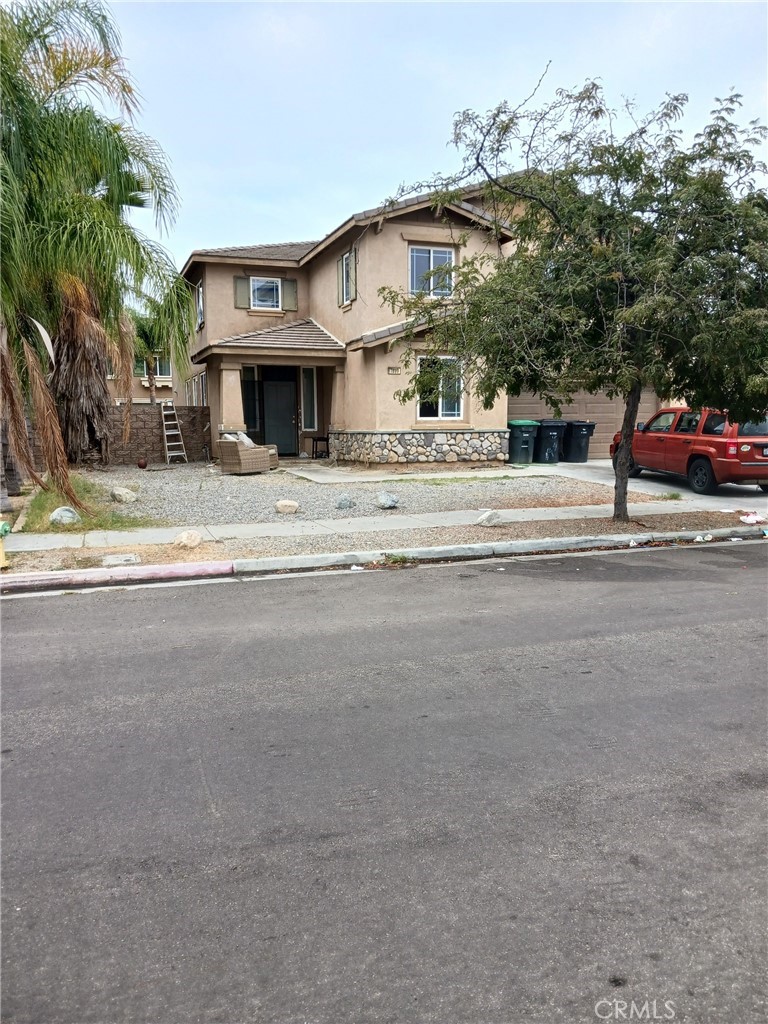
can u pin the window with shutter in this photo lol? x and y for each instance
(290, 294)
(242, 293)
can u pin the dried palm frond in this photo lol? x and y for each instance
(48, 429)
(12, 405)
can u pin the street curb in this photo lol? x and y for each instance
(67, 579)
(179, 571)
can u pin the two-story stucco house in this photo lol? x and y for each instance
(294, 346)
(293, 343)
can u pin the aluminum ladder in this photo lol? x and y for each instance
(172, 439)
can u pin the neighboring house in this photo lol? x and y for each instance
(166, 383)
(293, 343)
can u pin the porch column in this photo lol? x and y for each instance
(339, 399)
(231, 412)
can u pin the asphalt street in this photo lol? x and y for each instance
(508, 792)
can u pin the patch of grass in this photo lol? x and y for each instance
(668, 496)
(102, 514)
(396, 559)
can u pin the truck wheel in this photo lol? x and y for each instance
(701, 478)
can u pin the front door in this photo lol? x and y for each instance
(280, 415)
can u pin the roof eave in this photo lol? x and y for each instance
(239, 261)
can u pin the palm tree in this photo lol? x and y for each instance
(71, 260)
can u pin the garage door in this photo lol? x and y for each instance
(605, 413)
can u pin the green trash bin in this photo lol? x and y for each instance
(522, 437)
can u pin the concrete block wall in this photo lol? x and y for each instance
(146, 440)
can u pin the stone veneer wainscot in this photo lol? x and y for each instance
(419, 446)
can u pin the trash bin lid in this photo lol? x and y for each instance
(522, 423)
(553, 423)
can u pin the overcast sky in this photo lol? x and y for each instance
(281, 120)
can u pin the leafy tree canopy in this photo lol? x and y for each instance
(628, 258)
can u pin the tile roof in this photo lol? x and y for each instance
(299, 334)
(271, 251)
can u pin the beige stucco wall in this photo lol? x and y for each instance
(222, 319)
(382, 260)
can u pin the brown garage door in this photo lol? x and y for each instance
(606, 413)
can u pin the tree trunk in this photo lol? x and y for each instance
(621, 461)
(151, 378)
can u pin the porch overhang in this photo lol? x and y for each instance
(296, 343)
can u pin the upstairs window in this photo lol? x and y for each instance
(162, 366)
(265, 293)
(446, 389)
(346, 277)
(429, 271)
(199, 304)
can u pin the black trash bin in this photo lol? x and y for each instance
(576, 440)
(522, 434)
(548, 439)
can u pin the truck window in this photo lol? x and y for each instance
(714, 424)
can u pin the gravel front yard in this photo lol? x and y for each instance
(198, 495)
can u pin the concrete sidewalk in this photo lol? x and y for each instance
(322, 527)
(729, 499)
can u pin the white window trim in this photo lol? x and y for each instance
(346, 277)
(431, 282)
(440, 414)
(304, 427)
(276, 280)
(200, 303)
(160, 378)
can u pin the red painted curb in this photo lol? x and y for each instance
(59, 579)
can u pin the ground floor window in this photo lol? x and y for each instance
(444, 389)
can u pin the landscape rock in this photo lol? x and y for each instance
(64, 516)
(345, 502)
(490, 518)
(188, 539)
(123, 495)
(387, 500)
(286, 507)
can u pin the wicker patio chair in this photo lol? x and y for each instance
(235, 457)
(273, 459)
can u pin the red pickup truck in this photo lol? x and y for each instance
(702, 446)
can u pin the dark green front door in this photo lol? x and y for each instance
(280, 415)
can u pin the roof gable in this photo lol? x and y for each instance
(301, 253)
